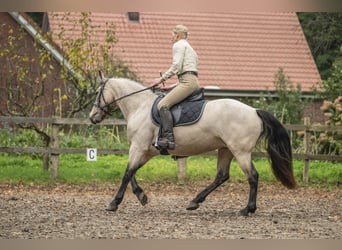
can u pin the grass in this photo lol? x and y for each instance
(75, 169)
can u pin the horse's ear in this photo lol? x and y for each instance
(101, 75)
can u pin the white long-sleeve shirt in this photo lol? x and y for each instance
(184, 58)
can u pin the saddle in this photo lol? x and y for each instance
(187, 112)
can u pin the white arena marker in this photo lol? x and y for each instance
(91, 154)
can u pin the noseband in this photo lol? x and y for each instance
(105, 107)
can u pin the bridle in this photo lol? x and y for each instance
(105, 107)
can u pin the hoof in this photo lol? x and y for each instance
(192, 206)
(112, 207)
(246, 211)
(243, 212)
(143, 199)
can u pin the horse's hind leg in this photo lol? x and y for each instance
(138, 191)
(224, 158)
(252, 177)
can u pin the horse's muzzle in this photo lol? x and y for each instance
(92, 121)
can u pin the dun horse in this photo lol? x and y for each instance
(228, 126)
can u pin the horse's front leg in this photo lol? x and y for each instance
(129, 173)
(137, 158)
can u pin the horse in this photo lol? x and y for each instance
(228, 126)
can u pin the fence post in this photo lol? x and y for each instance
(181, 174)
(306, 150)
(54, 155)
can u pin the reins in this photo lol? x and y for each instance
(133, 93)
(97, 102)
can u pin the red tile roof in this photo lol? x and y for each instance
(237, 51)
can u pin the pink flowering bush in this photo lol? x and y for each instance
(332, 141)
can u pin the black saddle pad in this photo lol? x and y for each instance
(184, 113)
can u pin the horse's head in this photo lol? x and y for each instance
(103, 102)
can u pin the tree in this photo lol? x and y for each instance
(87, 55)
(287, 105)
(333, 85)
(323, 32)
(27, 71)
(332, 108)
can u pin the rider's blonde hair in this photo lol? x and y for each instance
(182, 30)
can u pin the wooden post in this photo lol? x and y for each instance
(54, 155)
(306, 150)
(181, 174)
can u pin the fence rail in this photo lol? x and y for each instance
(54, 150)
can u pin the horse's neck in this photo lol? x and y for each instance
(132, 104)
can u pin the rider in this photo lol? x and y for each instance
(184, 64)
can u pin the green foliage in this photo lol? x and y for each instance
(333, 85)
(332, 107)
(19, 138)
(287, 106)
(107, 137)
(323, 32)
(87, 54)
(27, 69)
(26, 72)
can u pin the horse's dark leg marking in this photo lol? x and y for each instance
(129, 173)
(136, 160)
(138, 191)
(223, 163)
(253, 185)
(194, 204)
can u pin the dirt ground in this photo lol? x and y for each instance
(78, 212)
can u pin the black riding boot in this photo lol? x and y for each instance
(166, 140)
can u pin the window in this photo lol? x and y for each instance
(133, 16)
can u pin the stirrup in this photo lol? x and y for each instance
(162, 151)
(165, 143)
(171, 145)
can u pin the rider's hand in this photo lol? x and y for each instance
(157, 81)
(163, 88)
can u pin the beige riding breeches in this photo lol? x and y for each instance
(188, 83)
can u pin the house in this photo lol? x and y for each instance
(23, 39)
(239, 53)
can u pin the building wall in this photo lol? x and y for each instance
(48, 105)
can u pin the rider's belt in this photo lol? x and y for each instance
(188, 72)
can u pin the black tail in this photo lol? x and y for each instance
(278, 148)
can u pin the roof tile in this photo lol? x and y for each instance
(237, 51)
